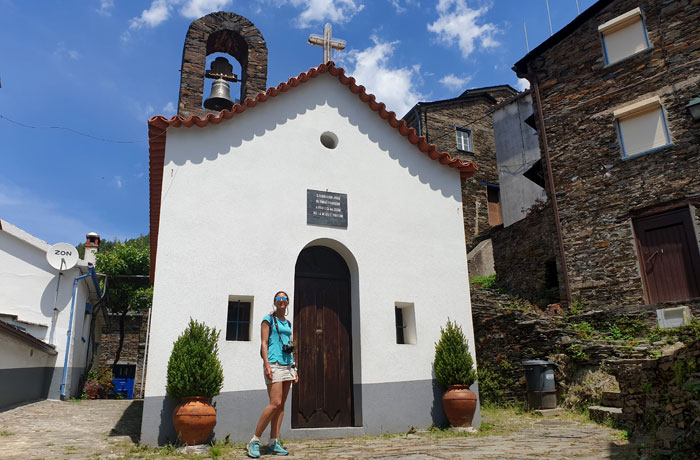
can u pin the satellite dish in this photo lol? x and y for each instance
(62, 256)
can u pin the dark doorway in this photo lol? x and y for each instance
(669, 257)
(323, 340)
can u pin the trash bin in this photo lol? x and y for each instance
(541, 391)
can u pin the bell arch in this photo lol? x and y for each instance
(221, 32)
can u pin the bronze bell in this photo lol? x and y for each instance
(220, 98)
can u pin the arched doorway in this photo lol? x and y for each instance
(323, 340)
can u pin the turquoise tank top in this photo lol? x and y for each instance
(274, 346)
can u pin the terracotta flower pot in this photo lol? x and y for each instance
(194, 419)
(459, 403)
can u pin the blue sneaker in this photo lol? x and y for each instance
(253, 449)
(277, 449)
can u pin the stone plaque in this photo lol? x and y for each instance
(326, 208)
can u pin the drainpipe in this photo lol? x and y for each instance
(70, 327)
(555, 206)
(145, 353)
(96, 307)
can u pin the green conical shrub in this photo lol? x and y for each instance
(453, 364)
(194, 368)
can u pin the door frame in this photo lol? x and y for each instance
(355, 321)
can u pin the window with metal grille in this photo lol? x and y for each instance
(464, 139)
(238, 321)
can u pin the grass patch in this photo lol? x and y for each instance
(6, 433)
(486, 282)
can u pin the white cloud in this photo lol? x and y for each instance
(194, 9)
(62, 52)
(397, 4)
(141, 111)
(106, 7)
(455, 83)
(458, 23)
(155, 15)
(396, 87)
(336, 11)
(522, 84)
(118, 181)
(160, 10)
(168, 109)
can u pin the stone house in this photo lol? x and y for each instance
(462, 127)
(611, 93)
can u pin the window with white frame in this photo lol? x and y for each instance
(464, 139)
(642, 127)
(624, 36)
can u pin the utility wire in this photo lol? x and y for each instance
(80, 133)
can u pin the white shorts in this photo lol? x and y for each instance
(280, 373)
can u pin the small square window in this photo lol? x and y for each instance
(238, 321)
(464, 139)
(642, 127)
(623, 36)
(405, 318)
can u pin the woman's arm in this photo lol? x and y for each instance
(264, 337)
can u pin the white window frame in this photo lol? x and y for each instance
(620, 22)
(637, 109)
(460, 133)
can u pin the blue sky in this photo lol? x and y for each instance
(103, 67)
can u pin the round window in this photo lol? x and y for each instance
(329, 140)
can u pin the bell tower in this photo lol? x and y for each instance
(220, 32)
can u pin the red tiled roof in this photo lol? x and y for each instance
(158, 126)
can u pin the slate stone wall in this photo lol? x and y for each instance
(597, 190)
(221, 32)
(526, 258)
(660, 399)
(439, 129)
(135, 329)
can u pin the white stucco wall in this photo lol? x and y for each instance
(517, 149)
(233, 221)
(28, 290)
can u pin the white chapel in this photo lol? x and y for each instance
(314, 188)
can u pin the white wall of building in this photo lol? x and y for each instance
(28, 291)
(517, 149)
(233, 221)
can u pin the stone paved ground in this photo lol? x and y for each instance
(109, 430)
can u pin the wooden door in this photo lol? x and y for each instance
(322, 336)
(669, 257)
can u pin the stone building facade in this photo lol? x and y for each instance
(463, 128)
(133, 350)
(624, 149)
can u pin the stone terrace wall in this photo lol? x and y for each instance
(525, 258)
(134, 345)
(595, 187)
(661, 399)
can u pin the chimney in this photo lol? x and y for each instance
(92, 244)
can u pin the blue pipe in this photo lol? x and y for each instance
(70, 325)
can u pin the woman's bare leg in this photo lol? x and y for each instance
(274, 391)
(276, 420)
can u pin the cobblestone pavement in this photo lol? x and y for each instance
(108, 429)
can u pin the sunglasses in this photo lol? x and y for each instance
(281, 299)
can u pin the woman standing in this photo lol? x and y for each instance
(280, 372)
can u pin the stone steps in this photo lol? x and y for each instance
(612, 399)
(601, 414)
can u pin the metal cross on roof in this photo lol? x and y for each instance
(327, 42)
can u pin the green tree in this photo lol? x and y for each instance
(453, 363)
(128, 290)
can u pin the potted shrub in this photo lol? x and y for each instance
(194, 377)
(454, 370)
